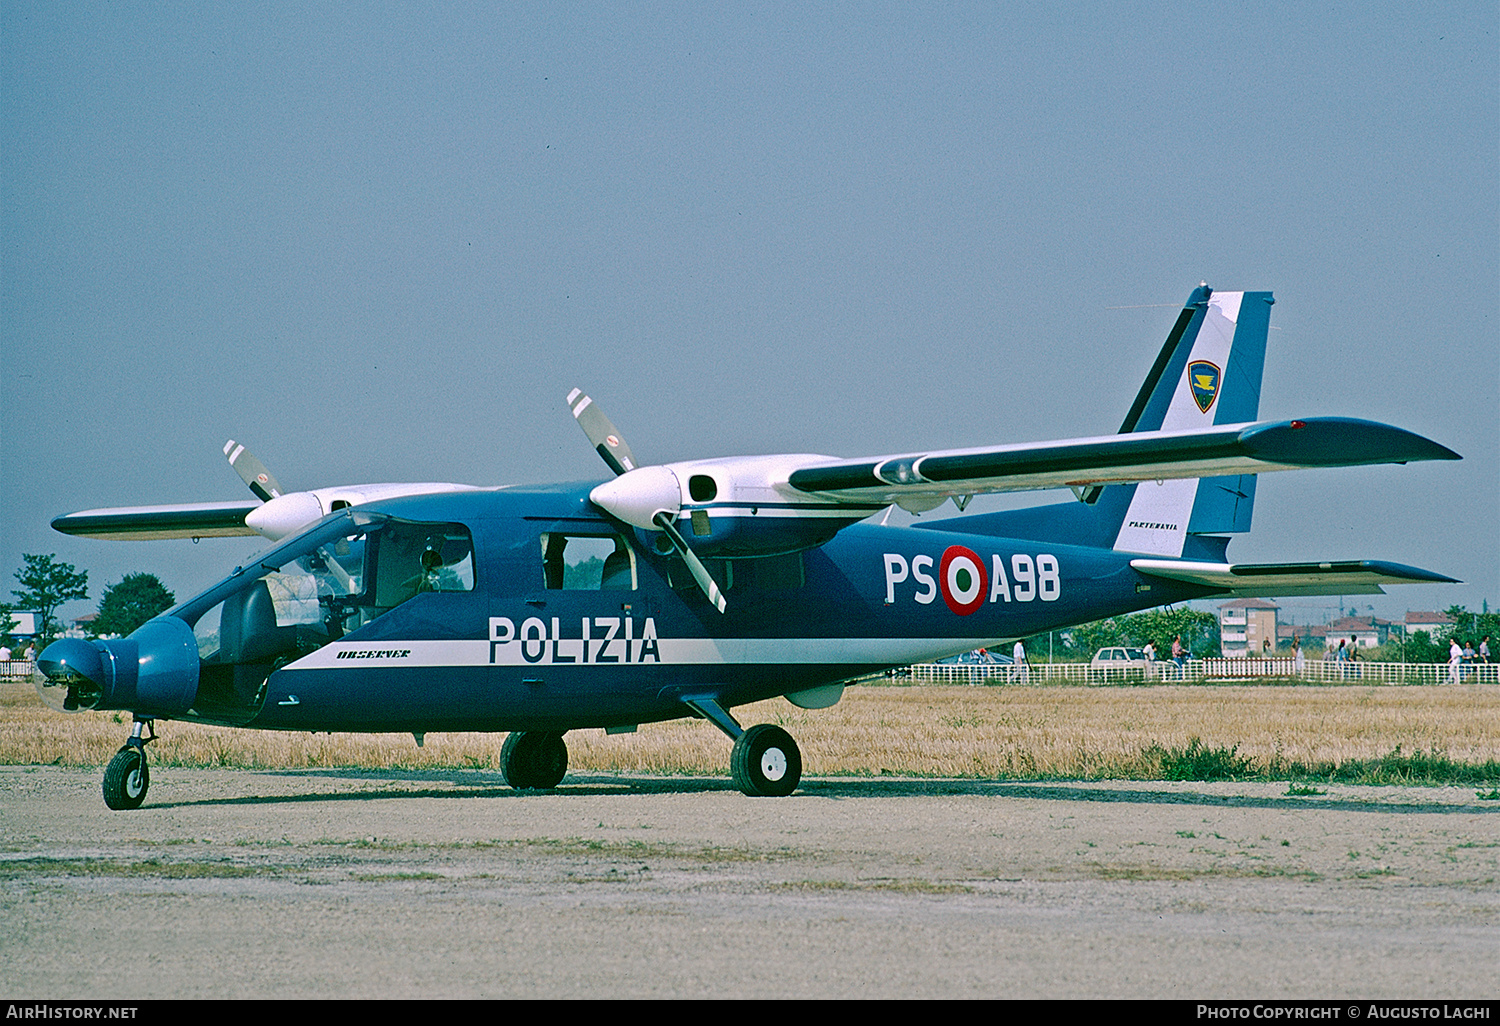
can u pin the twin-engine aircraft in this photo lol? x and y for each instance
(691, 588)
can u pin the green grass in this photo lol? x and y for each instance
(1428, 768)
(1198, 762)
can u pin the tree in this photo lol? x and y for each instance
(1420, 648)
(45, 585)
(1199, 629)
(127, 605)
(1473, 626)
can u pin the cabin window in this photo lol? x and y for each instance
(587, 562)
(771, 573)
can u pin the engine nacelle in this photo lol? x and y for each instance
(731, 508)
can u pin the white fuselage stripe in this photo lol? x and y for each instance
(634, 650)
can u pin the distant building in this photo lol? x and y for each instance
(1437, 625)
(1247, 627)
(25, 621)
(1366, 631)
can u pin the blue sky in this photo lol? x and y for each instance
(380, 242)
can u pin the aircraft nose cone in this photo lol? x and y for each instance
(153, 672)
(70, 675)
(636, 497)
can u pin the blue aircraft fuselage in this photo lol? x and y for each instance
(514, 646)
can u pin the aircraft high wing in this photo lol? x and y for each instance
(276, 514)
(689, 588)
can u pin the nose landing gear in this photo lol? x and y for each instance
(127, 777)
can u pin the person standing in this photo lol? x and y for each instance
(1484, 649)
(1298, 662)
(1455, 660)
(1022, 670)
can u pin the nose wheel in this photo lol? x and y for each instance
(127, 777)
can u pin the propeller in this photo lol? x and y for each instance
(645, 497)
(252, 471)
(281, 512)
(602, 433)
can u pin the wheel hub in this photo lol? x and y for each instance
(773, 764)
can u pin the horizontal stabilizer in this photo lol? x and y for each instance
(149, 523)
(1265, 580)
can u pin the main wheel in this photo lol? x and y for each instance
(766, 761)
(534, 760)
(126, 779)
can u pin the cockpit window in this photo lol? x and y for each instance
(345, 581)
(313, 590)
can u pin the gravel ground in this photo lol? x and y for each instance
(344, 883)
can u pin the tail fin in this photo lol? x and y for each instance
(1208, 372)
(1211, 375)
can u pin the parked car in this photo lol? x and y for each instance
(1118, 664)
(978, 657)
(980, 666)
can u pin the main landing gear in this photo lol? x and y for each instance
(127, 777)
(765, 761)
(534, 760)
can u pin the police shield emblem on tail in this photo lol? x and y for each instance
(1203, 378)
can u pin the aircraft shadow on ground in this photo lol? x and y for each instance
(490, 785)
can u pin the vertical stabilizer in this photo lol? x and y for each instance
(1207, 373)
(1213, 376)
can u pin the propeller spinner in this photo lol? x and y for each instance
(646, 497)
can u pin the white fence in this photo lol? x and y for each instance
(15, 670)
(1199, 670)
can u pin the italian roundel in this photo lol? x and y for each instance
(964, 581)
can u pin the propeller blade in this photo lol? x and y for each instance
(604, 436)
(700, 572)
(611, 446)
(252, 471)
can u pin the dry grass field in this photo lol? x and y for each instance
(1376, 734)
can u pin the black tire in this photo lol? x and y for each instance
(534, 760)
(766, 762)
(126, 779)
